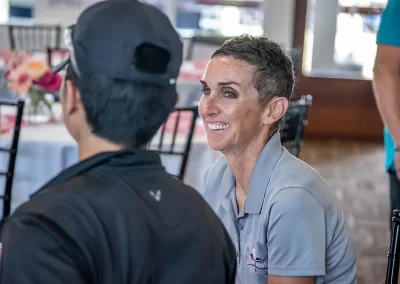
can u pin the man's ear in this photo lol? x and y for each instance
(275, 110)
(72, 100)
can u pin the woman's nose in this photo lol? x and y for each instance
(208, 106)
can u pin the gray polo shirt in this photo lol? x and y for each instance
(291, 224)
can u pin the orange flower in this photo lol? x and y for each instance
(36, 69)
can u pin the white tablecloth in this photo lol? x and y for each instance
(45, 150)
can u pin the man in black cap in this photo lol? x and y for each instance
(117, 217)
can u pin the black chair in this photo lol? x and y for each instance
(163, 147)
(34, 38)
(296, 55)
(9, 175)
(50, 51)
(216, 41)
(293, 124)
(392, 272)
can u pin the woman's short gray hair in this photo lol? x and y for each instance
(273, 74)
(273, 70)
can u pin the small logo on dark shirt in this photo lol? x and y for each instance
(156, 195)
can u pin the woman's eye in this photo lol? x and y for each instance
(206, 92)
(229, 94)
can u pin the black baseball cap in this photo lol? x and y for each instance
(127, 40)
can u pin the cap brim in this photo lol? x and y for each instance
(61, 66)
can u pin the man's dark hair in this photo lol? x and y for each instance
(273, 74)
(123, 112)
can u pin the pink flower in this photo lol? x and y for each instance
(4, 127)
(49, 82)
(22, 74)
(21, 83)
(18, 79)
(7, 74)
(22, 78)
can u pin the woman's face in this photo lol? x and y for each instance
(232, 116)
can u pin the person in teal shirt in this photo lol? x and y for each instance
(387, 92)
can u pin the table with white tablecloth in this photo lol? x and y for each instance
(45, 150)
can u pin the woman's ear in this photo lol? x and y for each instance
(275, 110)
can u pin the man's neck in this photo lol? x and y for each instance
(93, 145)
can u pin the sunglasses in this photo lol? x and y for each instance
(70, 61)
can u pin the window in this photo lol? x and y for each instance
(215, 17)
(340, 38)
(3, 11)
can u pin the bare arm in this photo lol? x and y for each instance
(387, 87)
(290, 280)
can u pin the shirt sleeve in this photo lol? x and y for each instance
(34, 251)
(389, 30)
(296, 234)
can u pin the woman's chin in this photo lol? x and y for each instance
(216, 145)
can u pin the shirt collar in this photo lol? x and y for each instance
(115, 159)
(260, 178)
(226, 187)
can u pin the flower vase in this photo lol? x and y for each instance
(39, 107)
(33, 79)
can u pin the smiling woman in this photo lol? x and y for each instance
(236, 90)
(230, 106)
(282, 229)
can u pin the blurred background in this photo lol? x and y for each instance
(333, 45)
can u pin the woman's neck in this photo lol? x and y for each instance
(243, 161)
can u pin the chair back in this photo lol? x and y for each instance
(34, 38)
(214, 41)
(293, 124)
(296, 55)
(12, 151)
(392, 270)
(178, 131)
(56, 53)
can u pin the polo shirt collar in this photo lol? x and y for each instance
(226, 188)
(114, 159)
(261, 175)
(260, 178)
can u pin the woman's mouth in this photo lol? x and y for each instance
(217, 126)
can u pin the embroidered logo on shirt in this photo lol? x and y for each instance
(156, 195)
(258, 262)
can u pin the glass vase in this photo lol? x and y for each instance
(38, 109)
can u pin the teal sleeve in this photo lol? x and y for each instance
(389, 30)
